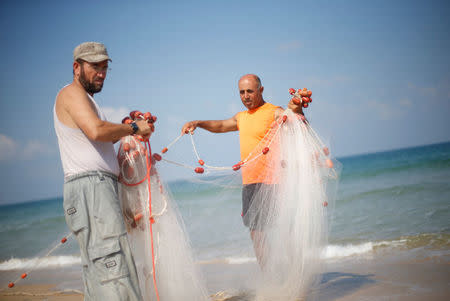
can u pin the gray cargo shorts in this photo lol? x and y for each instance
(92, 211)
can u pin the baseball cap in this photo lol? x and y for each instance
(92, 52)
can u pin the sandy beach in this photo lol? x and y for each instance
(380, 277)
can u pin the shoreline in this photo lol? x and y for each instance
(380, 276)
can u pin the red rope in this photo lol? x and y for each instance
(149, 166)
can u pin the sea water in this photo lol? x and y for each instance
(389, 200)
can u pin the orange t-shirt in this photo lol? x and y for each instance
(253, 126)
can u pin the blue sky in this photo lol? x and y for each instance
(379, 72)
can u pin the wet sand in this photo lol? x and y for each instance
(384, 277)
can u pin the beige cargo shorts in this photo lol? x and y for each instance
(93, 214)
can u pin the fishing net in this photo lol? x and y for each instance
(157, 235)
(293, 185)
(290, 182)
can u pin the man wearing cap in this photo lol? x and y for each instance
(91, 203)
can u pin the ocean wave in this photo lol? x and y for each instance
(330, 252)
(39, 263)
(240, 260)
(340, 251)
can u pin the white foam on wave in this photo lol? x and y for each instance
(240, 260)
(330, 252)
(39, 263)
(340, 251)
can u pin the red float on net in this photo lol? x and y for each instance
(199, 170)
(138, 217)
(329, 163)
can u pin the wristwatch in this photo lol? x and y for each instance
(135, 127)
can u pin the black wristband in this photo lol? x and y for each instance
(135, 127)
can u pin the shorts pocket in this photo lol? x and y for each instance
(74, 212)
(108, 260)
(106, 210)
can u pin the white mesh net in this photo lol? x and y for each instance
(158, 239)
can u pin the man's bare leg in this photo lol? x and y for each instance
(258, 242)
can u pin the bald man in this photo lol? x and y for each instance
(252, 125)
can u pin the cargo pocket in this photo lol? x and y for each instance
(74, 212)
(108, 260)
(107, 213)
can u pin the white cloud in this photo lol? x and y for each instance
(35, 148)
(8, 148)
(115, 114)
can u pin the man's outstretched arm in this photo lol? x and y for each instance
(214, 126)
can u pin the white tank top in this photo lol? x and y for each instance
(79, 153)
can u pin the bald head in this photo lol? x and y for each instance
(250, 91)
(251, 77)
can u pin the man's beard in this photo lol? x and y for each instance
(90, 87)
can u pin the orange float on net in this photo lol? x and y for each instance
(126, 147)
(296, 100)
(136, 154)
(132, 114)
(24, 275)
(154, 118)
(305, 105)
(138, 217)
(199, 170)
(304, 89)
(147, 115)
(305, 99)
(132, 144)
(329, 163)
(309, 93)
(326, 151)
(284, 118)
(136, 114)
(164, 150)
(11, 284)
(152, 220)
(127, 120)
(130, 172)
(325, 204)
(201, 162)
(63, 240)
(291, 91)
(304, 93)
(236, 167)
(157, 157)
(265, 150)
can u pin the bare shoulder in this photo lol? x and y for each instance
(69, 94)
(73, 104)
